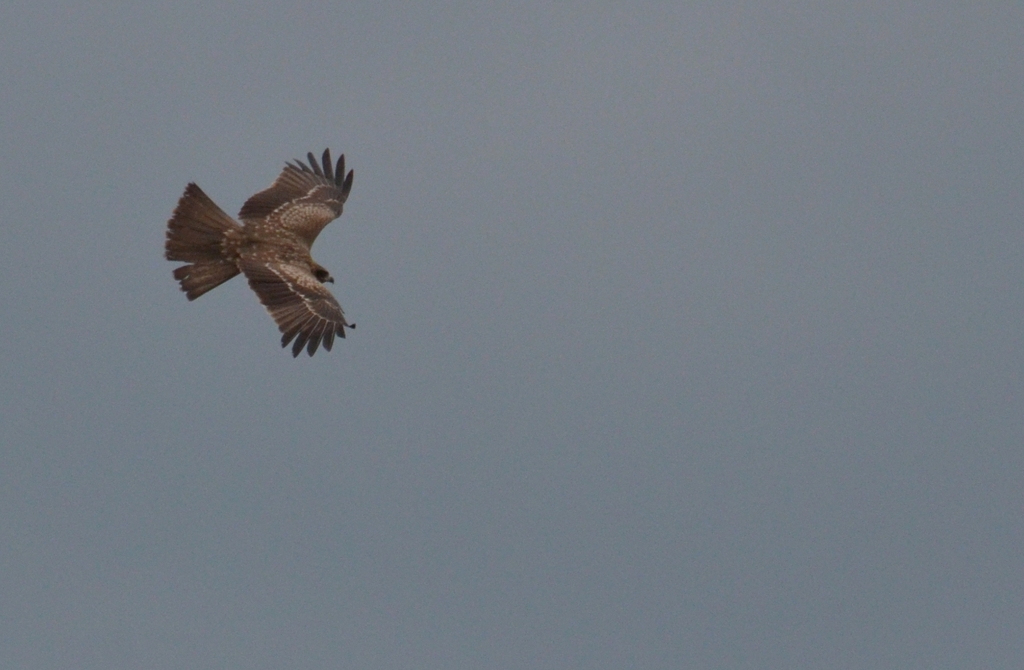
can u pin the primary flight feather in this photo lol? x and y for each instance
(270, 247)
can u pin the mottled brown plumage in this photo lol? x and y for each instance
(271, 247)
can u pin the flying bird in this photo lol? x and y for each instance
(270, 247)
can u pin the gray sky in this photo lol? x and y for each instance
(689, 336)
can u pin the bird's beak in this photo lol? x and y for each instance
(329, 279)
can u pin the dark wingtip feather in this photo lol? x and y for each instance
(300, 342)
(313, 164)
(347, 185)
(315, 336)
(339, 173)
(328, 168)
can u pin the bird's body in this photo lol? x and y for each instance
(271, 247)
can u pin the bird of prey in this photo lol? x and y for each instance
(270, 247)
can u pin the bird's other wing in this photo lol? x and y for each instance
(302, 307)
(304, 198)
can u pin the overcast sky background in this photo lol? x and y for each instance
(689, 336)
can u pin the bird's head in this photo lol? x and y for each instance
(322, 275)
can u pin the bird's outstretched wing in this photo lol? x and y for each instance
(302, 307)
(304, 198)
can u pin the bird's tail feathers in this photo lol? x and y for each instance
(196, 233)
(197, 228)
